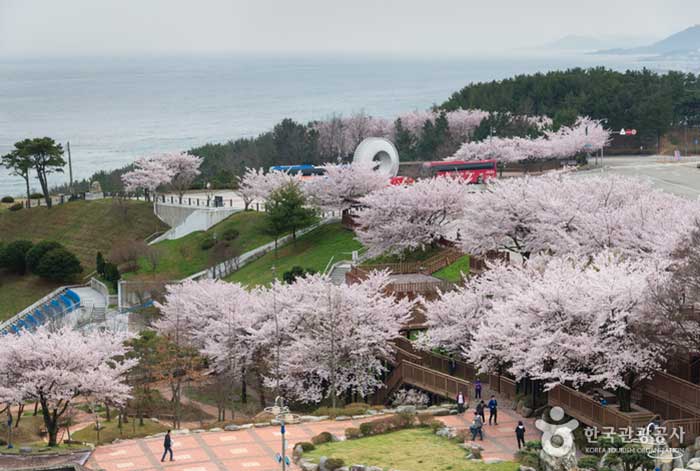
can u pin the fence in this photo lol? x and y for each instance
(101, 288)
(690, 430)
(434, 381)
(427, 267)
(677, 391)
(591, 412)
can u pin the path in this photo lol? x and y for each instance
(254, 449)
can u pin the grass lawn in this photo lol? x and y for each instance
(109, 431)
(18, 292)
(408, 450)
(453, 272)
(312, 250)
(84, 227)
(183, 257)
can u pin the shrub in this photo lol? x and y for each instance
(352, 433)
(588, 462)
(36, 196)
(427, 420)
(8, 199)
(350, 409)
(291, 276)
(59, 265)
(306, 446)
(323, 437)
(16, 207)
(13, 257)
(533, 445)
(230, 234)
(387, 424)
(207, 243)
(100, 264)
(35, 254)
(334, 463)
(528, 458)
(112, 274)
(461, 435)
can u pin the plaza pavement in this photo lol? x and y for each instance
(255, 448)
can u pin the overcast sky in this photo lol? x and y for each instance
(78, 27)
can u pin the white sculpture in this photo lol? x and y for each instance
(381, 153)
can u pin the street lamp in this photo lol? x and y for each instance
(282, 416)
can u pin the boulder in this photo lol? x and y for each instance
(216, 429)
(526, 468)
(439, 411)
(374, 468)
(232, 428)
(454, 411)
(475, 451)
(25, 449)
(694, 466)
(342, 418)
(182, 431)
(406, 409)
(443, 432)
(697, 454)
(358, 467)
(492, 460)
(526, 412)
(306, 465)
(198, 430)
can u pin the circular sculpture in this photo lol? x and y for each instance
(380, 153)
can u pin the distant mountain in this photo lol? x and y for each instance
(685, 41)
(577, 42)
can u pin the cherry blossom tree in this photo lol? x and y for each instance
(56, 368)
(256, 184)
(563, 212)
(341, 336)
(586, 135)
(184, 168)
(573, 321)
(149, 173)
(408, 217)
(343, 185)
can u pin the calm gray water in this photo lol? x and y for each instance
(114, 110)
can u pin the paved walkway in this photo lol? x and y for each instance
(254, 449)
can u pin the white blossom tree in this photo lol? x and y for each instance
(343, 185)
(340, 337)
(148, 174)
(56, 368)
(407, 217)
(562, 212)
(184, 168)
(256, 184)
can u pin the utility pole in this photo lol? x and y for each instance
(70, 169)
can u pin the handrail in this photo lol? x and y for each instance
(675, 390)
(434, 381)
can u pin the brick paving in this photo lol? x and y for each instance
(254, 449)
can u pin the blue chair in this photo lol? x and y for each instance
(23, 324)
(39, 316)
(73, 296)
(67, 301)
(31, 320)
(14, 329)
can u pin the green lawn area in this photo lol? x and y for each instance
(84, 227)
(312, 250)
(183, 257)
(18, 292)
(408, 450)
(454, 271)
(109, 431)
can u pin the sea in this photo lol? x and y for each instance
(115, 109)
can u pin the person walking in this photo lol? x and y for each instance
(493, 410)
(477, 388)
(480, 410)
(520, 433)
(167, 447)
(477, 427)
(460, 402)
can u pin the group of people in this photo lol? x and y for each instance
(477, 426)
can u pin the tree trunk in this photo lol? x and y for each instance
(624, 399)
(20, 411)
(36, 408)
(29, 194)
(261, 389)
(244, 390)
(107, 413)
(44, 188)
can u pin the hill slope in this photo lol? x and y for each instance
(687, 40)
(84, 227)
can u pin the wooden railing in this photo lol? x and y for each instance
(421, 287)
(680, 392)
(427, 267)
(591, 412)
(433, 381)
(503, 385)
(684, 431)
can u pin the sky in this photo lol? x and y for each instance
(48, 28)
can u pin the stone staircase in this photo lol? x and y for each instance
(338, 271)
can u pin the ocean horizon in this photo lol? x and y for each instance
(115, 109)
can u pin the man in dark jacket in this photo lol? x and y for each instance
(493, 410)
(168, 447)
(520, 434)
(480, 410)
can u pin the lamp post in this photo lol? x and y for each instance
(277, 333)
(282, 415)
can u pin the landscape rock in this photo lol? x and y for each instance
(526, 468)
(198, 430)
(694, 466)
(182, 431)
(439, 411)
(216, 429)
(475, 451)
(358, 467)
(373, 468)
(406, 409)
(492, 460)
(526, 412)
(310, 418)
(342, 418)
(25, 449)
(306, 465)
(232, 428)
(443, 432)
(261, 424)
